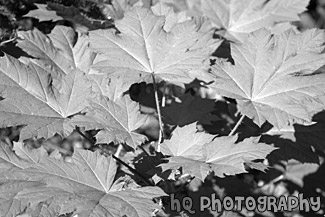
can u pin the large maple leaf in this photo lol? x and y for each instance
(273, 77)
(197, 155)
(85, 185)
(45, 91)
(142, 47)
(237, 18)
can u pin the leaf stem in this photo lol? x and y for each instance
(84, 136)
(135, 172)
(144, 151)
(237, 125)
(8, 41)
(158, 111)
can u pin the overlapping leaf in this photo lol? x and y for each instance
(143, 48)
(48, 90)
(84, 186)
(59, 53)
(172, 18)
(186, 142)
(197, 155)
(236, 18)
(118, 120)
(273, 78)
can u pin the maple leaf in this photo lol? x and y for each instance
(197, 155)
(59, 53)
(236, 18)
(56, 12)
(143, 48)
(186, 142)
(272, 79)
(28, 98)
(84, 186)
(118, 120)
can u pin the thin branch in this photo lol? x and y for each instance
(84, 136)
(144, 150)
(158, 111)
(233, 131)
(2, 43)
(135, 172)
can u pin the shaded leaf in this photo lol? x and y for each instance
(296, 171)
(55, 12)
(257, 166)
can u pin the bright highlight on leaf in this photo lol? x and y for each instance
(28, 100)
(142, 47)
(50, 88)
(273, 77)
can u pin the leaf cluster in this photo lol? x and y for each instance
(147, 85)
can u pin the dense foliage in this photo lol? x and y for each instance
(109, 108)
